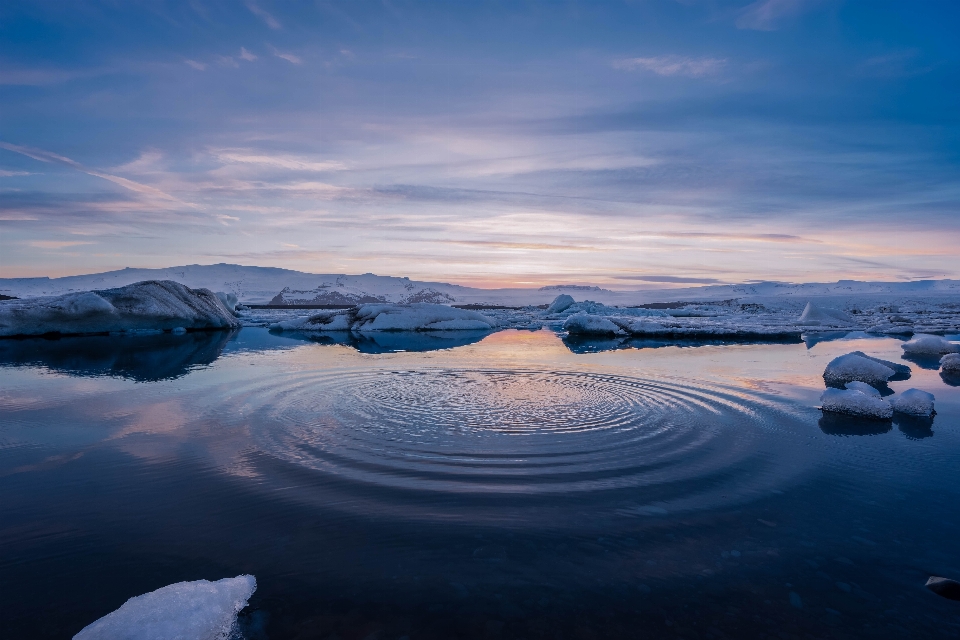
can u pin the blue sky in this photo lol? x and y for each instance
(488, 143)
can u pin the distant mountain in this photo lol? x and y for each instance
(263, 285)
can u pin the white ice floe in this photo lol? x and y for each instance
(857, 367)
(855, 403)
(950, 363)
(144, 307)
(561, 303)
(862, 387)
(586, 324)
(914, 402)
(814, 315)
(927, 345)
(391, 317)
(199, 610)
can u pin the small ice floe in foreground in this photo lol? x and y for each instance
(944, 587)
(816, 316)
(149, 306)
(863, 387)
(420, 316)
(853, 402)
(928, 345)
(857, 367)
(914, 402)
(950, 363)
(199, 610)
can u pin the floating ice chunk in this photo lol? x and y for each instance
(153, 305)
(862, 387)
(561, 303)
(927, 345)
(902, 370)
(813, 315)
(915, 403)
(199, 610)
(421, 316)
(586, 324)
(950, 363)
(855, 367)
(855, 403)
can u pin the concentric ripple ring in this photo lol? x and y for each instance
(516, 431)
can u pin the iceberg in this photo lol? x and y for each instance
(856, 367)
(950, 363)
(199, 610)
(927, 345)
(586, 324)
(863, 387)
(814, 316)
(561, 303)
(229, 300)
(853, 402)
(914, 402)
(421, 316)
(153, 306)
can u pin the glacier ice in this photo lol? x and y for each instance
(814, 315)
(229, 300)
(856, 367)
(560, 303)
(950, 363)
(421, 316)
(853, 402)
(199, 610)
(928, 345)
(150, 306)
(914, 402)
(586, 324)
(862, 387)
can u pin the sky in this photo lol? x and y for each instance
(626, 144)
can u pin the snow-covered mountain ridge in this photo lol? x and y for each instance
(264, 285)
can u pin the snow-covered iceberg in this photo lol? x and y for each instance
(914, 402)
(151, 306)
(199, 610)
(814, 315)
(561, 303)
(853, 402)
(391, 317)
(928, 345)
(950, 363)
(857, 367)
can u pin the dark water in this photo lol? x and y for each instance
(507, 486)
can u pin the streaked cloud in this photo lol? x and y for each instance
(767, 15)
(289, 57)
(56, 244)
(674, 65)
(267, 18)
(246, 55)
(199, 66)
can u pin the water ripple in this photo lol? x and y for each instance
(517, 432)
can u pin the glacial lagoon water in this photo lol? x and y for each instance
(474, 485)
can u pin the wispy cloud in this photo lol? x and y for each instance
(8, 174)
(766, 15)
(289, 57)
(674, 65)
(199, 66)
(246, 55)
(676, 279)
(48, 156)
(280, 161)
(268, 19)
(56, 244)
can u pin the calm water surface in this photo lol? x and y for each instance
(504, 486)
